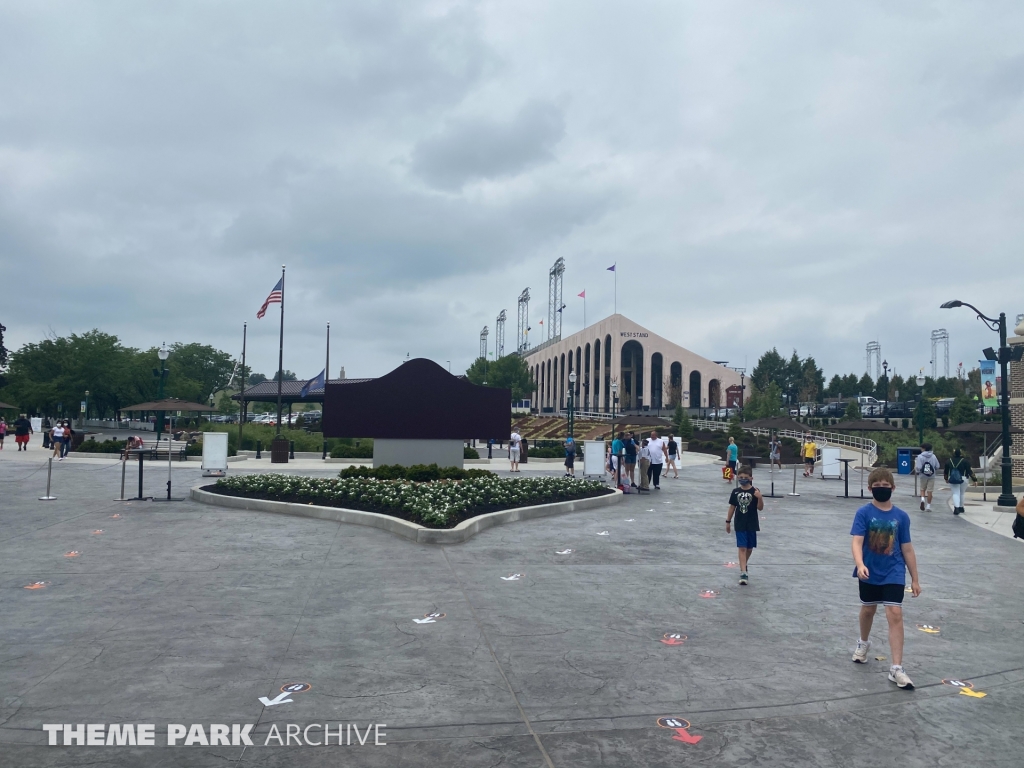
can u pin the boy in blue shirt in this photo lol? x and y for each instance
(732, 453)
(883, 554)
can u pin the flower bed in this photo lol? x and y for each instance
(440, 504)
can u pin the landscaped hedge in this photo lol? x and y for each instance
(344, 451)
(440, 504)
(107, 446)
(419, 473)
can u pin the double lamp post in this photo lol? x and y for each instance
(1004, 356)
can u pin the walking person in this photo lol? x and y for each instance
(3, 432)
(629, 446)
(69, 435)
(810, 453)
(645, 465)
(882, 553)
(956, 472)
(732, 454)
(657, 449)
(57, 441)
(673, 449)
(775, 452)
(745, 502)
(514, 446)
(614, 456)
(570, 457)
(22, 429)
(927, 466)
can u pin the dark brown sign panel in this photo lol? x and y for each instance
(419, 400)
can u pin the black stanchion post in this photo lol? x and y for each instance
(140, 476)
(291, 449)
(259, 449)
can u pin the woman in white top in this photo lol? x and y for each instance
(57, 439)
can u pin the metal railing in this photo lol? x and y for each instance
(868, 447)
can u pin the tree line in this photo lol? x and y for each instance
(52, 376)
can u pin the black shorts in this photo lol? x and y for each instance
(809, 462)
(881, 594)
(732, 464)
(569, 460)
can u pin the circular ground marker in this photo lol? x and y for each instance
(97, 531)
(37, 585)
(564, 551)
(731, 564)
(295, 687)
(673, 722)
(709, 593)
(930, 629)
(72, 553)
(959, 683)
(115, 517)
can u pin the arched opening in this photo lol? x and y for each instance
(607, 373)
(714, 393)
(579, 378)
(656, 382)
(586, 377)
(561, 383)
(631, 384)
(596, 380)
(695, 391)
(675, 385)
(547, 388)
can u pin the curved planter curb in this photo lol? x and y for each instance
(412, 531)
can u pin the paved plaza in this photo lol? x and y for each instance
(182, 613)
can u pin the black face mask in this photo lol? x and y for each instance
(744, 481)
(881, 494)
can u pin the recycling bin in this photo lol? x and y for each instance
(904, 461)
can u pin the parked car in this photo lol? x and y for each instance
(943, 405)
(897, 409)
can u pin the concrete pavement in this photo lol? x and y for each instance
(179, 613)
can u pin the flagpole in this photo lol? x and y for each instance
(616, 273)
(242, 408)
(327, 377)
(280, 357)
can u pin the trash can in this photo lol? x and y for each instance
(904, 461)
(279, 450)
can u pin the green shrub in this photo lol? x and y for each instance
(418, 473)
(107, 446)
(422, 473)
(546, 453)
(343, 451)
(470, 453)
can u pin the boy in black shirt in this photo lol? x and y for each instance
(745, 502)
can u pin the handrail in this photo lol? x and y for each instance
(869, 447)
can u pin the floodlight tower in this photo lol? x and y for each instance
(499, 335)
(483, 343)
(874, 350)
(524, 321)
(941, 336)
(555, 305)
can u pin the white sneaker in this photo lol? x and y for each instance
(898, 676)
(927, 507)
(861, 654)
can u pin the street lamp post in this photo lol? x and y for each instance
(163, 353)
(885, 375)
(743, 387)
(1004, 356)
(572, 398)
(615, 397)
(85, 413)
(920, 408)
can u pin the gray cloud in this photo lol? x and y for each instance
(810, 177)
(482, 148)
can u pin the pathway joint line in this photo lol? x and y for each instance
(490, 648)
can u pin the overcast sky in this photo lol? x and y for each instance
(794, 174)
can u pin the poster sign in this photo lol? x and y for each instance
(989, 390)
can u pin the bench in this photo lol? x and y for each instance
(152, 449)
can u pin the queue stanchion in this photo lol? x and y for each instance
(793, 492)
(49, 473)
(124, 468)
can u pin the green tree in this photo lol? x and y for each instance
(963, 411)
(770, 367)
(865, 386)
(197, 371)
(924, 414)
(3, 357)
(852, 411)
(763, 405)
(735, 428)
(509, 372)
(682, 423)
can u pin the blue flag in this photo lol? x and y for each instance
(611, 268)
(317, 382)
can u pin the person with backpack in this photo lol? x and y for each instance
(927, 466)
(956, 472)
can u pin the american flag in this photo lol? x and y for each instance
(276, 297)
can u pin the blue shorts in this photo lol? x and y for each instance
(746, 539)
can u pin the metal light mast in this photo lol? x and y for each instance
(555, 305)
(483, 343)
(874, 350)
(523, 342)
(941, 336)
(499, 336)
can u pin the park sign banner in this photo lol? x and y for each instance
(989, 387)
